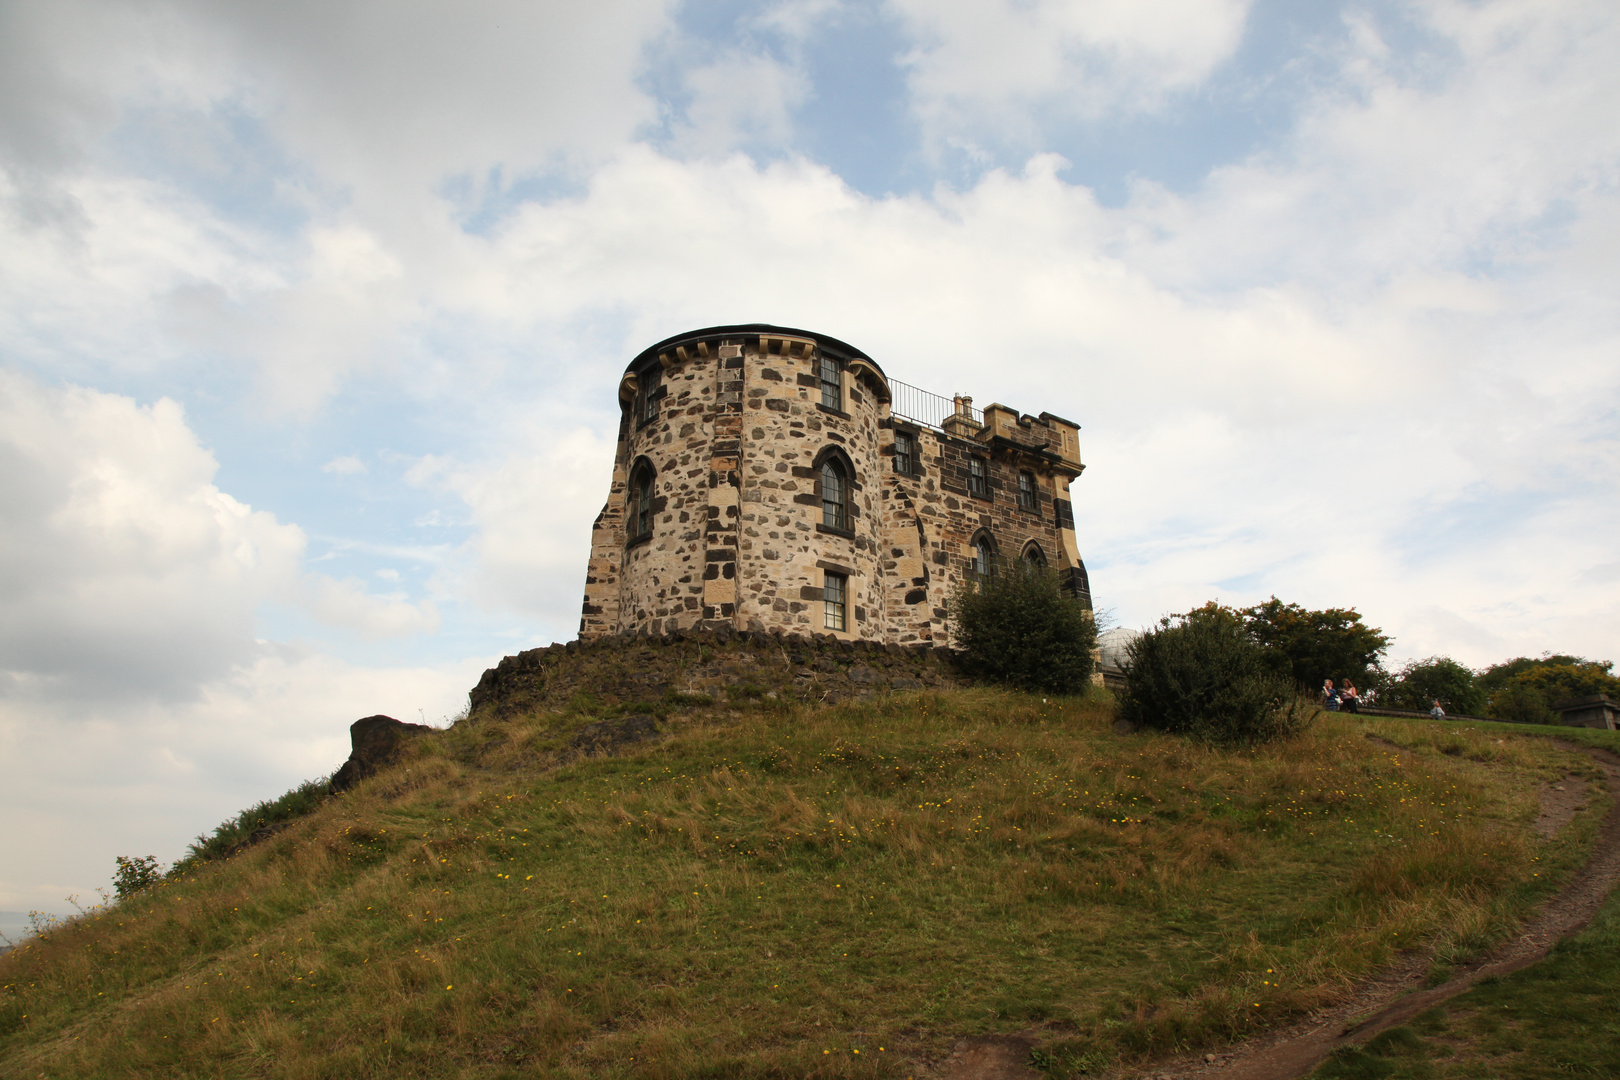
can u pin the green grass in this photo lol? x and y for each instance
(778, 890)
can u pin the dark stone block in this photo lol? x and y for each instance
(916, 596)
(375, 742)
(610, 736)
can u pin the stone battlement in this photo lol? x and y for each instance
(768, 478)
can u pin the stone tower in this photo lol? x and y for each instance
(774, 479)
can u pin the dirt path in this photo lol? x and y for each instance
(1384, 1002)
(1387, 1001)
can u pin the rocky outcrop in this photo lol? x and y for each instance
(376, 741)
(606, 737)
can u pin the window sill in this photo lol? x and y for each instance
(830, 411)
(833, 530)
(637, 541)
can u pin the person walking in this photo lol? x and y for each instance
(1437, 713)
(1350, 698)
(1330, 696)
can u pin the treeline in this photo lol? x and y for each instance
(1307, 647)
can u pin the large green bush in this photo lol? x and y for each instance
(1421, 683)
(1019, 627)
(1309, 646)
(1528, 693)
(1202, 675)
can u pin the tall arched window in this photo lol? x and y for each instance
(984, 555)
(639, 519)
(834, 495)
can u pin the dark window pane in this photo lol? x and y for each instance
(983, 557)
(833, 594)
(903, 452)
(976, 478)
(649, 393)
(832, 390)
(1026, 491)
(833, 495)
(641, 496)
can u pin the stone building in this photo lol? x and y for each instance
(775, 479)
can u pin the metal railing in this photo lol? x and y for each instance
(932, 410)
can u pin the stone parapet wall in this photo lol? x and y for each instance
(722, 665)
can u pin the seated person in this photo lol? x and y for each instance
(1349, 698)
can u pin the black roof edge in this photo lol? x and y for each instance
(1055, 416)
(829, 344)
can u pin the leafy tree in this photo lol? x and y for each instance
(1308, 646)
(1497, 676)
(1522, 703)
(1019, 627)
(1439, 678)
(1549, 683)
(1525, 688)
(1203, 676)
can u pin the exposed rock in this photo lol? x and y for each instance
(608, 736)
(376, 741)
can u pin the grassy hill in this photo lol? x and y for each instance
(781, 889)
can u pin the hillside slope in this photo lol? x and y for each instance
(794, 890)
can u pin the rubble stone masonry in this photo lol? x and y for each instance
(716, 519)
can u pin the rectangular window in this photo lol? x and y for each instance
(832, 385)
(905, 452)
(978, 478)
(649, 393)
(1026, 491)
(834, 596)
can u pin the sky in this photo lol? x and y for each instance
(311, 318)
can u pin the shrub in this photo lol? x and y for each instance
(1559, 682)
(1309, 646)
(1521, 703)
(1019, 627)
(232, 835)
(1203, 676)
(135, 874)
(1422, 682)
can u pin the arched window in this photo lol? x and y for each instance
(1033, 555)
(834, 494)
(639, 515)
(984, 555)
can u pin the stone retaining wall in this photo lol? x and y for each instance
(723, 665)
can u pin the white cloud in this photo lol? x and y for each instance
(988, 70)
(533, 511)
(740, 99)
(80, 786)
(347, 465)
(123, 569)
(348, 605)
